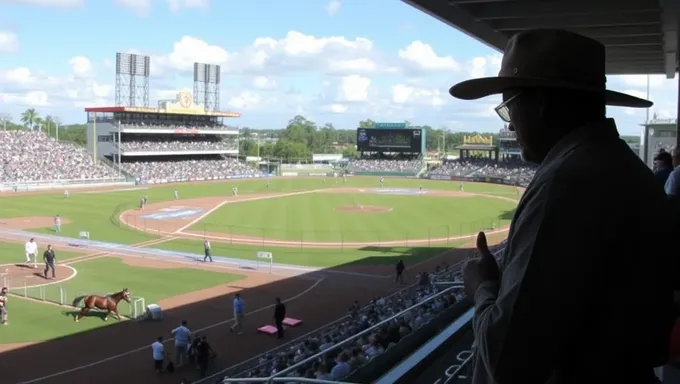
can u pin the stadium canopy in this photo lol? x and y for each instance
(641, 36)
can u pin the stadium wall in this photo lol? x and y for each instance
(62, 184)
(184, 180)
(385, 174)
(476, 179)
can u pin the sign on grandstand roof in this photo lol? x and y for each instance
(662, 122)
(506, 134)
(478, 139)
(390, 125)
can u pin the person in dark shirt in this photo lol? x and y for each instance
(400, 272)
(49, 258)
(593, 220)
(663, 166)
(203, 352)
(279, 316)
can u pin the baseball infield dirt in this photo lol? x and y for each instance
(32, 222)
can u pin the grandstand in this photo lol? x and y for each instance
(178, 141)
(389, 149)
(31, 159)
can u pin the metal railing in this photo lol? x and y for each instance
(46, 184)
(317, 355)
(287, 380)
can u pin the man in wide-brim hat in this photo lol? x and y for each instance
(558, 305)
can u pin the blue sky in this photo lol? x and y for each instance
(333, 61)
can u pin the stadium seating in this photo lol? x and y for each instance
(34, 156)
(362, 350)
(188, 169)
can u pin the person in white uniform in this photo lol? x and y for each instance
(31, 249)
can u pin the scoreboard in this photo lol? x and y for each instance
(390, 140)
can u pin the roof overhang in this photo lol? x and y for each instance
(641, 36)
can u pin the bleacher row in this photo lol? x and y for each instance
(334, 351)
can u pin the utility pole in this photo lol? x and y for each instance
(5, 118)
(57, 122)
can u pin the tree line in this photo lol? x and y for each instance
(299, 139)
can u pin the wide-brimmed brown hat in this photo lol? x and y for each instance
(549, 58)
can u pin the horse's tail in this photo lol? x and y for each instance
(77, 300)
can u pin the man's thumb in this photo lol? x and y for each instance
(482, 245)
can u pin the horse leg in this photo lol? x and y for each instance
(81, 313)
(106, 316)
(117, 315)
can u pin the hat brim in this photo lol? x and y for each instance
(486, 86)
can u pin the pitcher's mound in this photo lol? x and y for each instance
(363, 208)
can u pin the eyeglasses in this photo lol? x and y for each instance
(502, 109)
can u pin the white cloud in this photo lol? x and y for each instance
(336, 108)
(263, 82)
(138, 7)
(189, 50)
(406, 94)
(45, 3)
(81, 66)
(354, 88)
(245, 100)
(31, 99)
(177, 5)
(333, 7)
(9, 42)
(296, 52)
(422, 57)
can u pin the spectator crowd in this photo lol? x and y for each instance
(385, 165)
(33, 156)
(180, 143)
(188, 169)
(512, 171)
(175, 126)
(338, 362)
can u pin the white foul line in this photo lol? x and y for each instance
(75, 273)
(132, 351)
(218, 206)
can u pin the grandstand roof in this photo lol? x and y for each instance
(191, 112)
(641, 36)
(478, 147)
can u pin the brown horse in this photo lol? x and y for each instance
(107, 303)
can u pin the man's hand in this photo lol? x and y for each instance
(483, 269)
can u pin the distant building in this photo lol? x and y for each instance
(657, 134)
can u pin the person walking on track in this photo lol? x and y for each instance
(400, 272)
(182, 336)
(158, 353)
(3, 305)
(279, 316)
(31, 249)
(49, 259)
(239, 307)
(206, 248)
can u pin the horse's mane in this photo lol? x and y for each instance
(115, 294)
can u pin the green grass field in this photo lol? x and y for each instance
(313, 217)
(110, 274)
(13, 253)
(310, 217)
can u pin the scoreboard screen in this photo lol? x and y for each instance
(389, 140)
